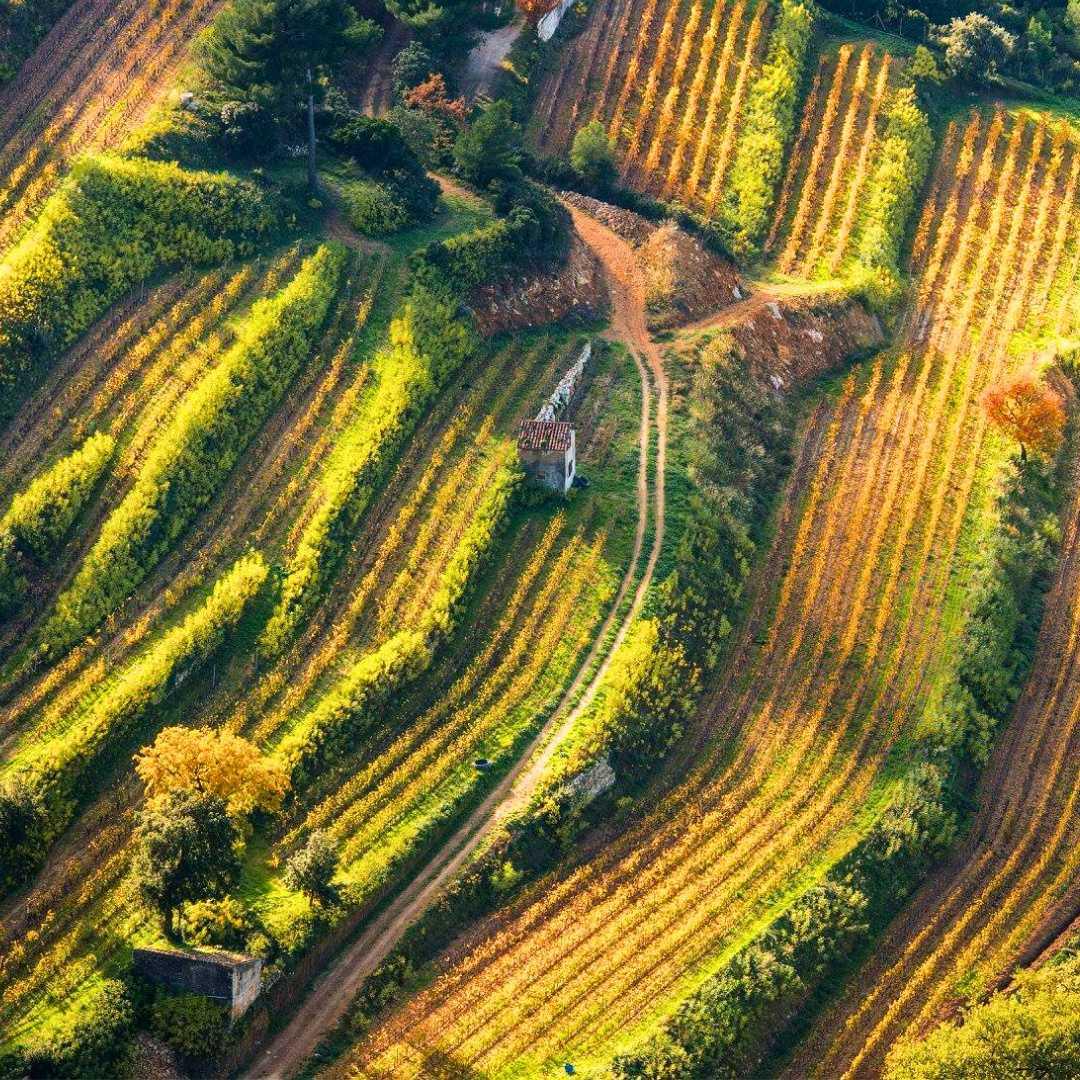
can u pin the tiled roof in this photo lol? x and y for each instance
(544, 435)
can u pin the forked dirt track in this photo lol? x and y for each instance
(332, 994)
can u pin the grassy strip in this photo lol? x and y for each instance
(198, 450)
(112, 224)
(899, 173)
(428, 342)
(41, 796)
(40, 517)
(767, 128)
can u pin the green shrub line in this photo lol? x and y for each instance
(195, 454)
(428, 341)
(894, 185)
(113, 224)
(42, 792)
(39, 518)
(767, 126)
(355, 703)
(742, 1015)
(533, 233)
(739, 444)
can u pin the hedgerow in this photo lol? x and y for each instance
(41, 796)
(428, 341)
(766, 129)
(199, 448)
(741, 1015)
(40, 517)
(533, 233)
(114, 223)
(898, 176)
(356, 702)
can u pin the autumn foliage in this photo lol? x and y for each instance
(535, 10)
(1028, 410)
(431, 97)
(212, 763)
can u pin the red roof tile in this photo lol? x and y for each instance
(544, 435)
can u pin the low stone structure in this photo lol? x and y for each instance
(547, 452)
(231, 980)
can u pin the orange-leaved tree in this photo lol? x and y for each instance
(212, 763)
(1024, 407)
(431, 97)
(535, 10)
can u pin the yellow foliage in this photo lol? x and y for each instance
(212, 763)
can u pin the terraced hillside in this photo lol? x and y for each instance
(829, 674)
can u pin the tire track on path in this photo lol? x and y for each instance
(332, 994)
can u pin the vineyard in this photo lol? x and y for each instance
(889, 481)
(662, 772)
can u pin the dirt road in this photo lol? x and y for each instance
(332, 994)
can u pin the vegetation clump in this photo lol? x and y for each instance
(113, 224)
(40, 518)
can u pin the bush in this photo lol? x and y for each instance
(593, 156)
(192, 458)
(40, 517)
(898, 176)
(111, 225)
(311, 869)
(766, 128)
(41, 797)
(23, 23)
(91, 1041)
(191, 1024)
(534, 233)
(1031, 1032)
(428, 341)
(411, 67)
(225, 924)
(397, 192)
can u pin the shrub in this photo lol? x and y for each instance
(23, 23)
(191, 1024)
(40, 517)
(53, 775)
(534, 233)
(111, 225)
(1031, 1032)
(902, 161)
(92, 1040)
(311, 869)
(197, 451)
(428, 341)
(223, 923)
(373, 208)
(411, 67)
(593, 156)
(766, 128)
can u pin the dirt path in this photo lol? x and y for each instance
(331, 996)
(484, 61)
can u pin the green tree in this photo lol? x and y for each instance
(411, 67)
(186, 849)
(276, 54)
(490, 148)
(593, 155)
(311, 869)
(924, 66)
(975, 46)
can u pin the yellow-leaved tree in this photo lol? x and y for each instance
(212, 763)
